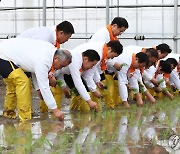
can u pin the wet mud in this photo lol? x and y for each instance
(144, 130)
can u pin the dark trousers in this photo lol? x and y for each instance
(69, 81)
(6, 68)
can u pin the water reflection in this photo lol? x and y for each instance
(108, 132)
(122, 131)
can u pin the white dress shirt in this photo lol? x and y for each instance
(101, 35)
(75, 66)
(125, 59)
(47, 34)
(33, 56)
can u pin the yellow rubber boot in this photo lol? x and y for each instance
(151, 91)
(10, 99)
(117, 98)
(109, 93)
(79, 104)
(23, 93)
(143, 96)
(97, 100)
(159, 95)
(10, 103)
(58, 94)
(43, 107)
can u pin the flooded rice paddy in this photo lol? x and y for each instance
(146, 130)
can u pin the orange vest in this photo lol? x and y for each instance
(166, 75)
(112, 37)
(131, 69)
(57, 45)
(104, 58)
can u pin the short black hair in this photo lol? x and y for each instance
(143, 58)
(121, 22)
(116, 46)
(172, 61)
(153, 52)
(66, 27)
(92, 55)
(164, 48)
(165, 67)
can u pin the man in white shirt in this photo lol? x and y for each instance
(130, 62)
(55, 35)
(149, 73)
(82, 60)
(95, 78)
(106, 51)
(110, 32)
(113, 95)
(174, 80)
(35, 56)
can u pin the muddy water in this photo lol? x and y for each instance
(112, 131)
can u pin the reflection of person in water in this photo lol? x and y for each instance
(16, 137)
(50, 129)
(80, 120)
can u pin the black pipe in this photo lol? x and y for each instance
(84, 7)
(122, 38)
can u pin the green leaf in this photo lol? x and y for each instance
(74, 91)
(123, 64)
(161, 81)
(141, 88)
(59, 83)
(134, 90)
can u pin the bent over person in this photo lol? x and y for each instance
(56, 35)
(39, 59)
(110, 32)
(82, 60)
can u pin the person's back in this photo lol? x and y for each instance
(40, 33)
(27, 55)
(55, 35)
(110, 32)
(101, 35)
(90, 45)
(131, 49)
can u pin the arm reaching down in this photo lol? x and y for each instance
(41, 74)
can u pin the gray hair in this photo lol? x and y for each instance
(64, 54)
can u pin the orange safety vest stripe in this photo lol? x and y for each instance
(104, 58)
(131, 69)
(112, 37)
(57, 44)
